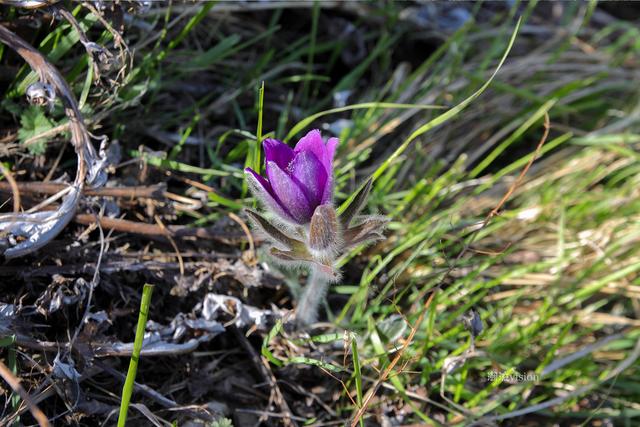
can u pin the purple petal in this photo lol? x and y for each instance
(312, 142)
(310, 174)
(290, 194)
(327, 195)
(278, 152)
(332, 144)
(262, 190)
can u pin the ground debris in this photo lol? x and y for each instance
(62, 292)
(7, 315)
(218, 306)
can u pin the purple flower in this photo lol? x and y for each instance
(298, 180)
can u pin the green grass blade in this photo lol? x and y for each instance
(537, 116)
(445, 116)
(127, 390)
(357, 373)
(390, 105)
(258, 148)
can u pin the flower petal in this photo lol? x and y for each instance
(327, 194)
(312, 142)
(310, 174)
(262, 190)
(290, 194)
(279, 152)
(331, 146)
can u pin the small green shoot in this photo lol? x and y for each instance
(129, 383)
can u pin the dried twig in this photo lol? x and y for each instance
(118, 39)
(140, 388)
(11, 183)
(167, 233)
(177, 231)
(385, 374)
(134, 192)
(104, 245)
(14, 383)
(88, 45)
(247, 233)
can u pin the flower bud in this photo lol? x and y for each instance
(298, 180)
(323, 232)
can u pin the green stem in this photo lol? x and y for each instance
(129, 382)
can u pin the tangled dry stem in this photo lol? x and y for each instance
(39, 228)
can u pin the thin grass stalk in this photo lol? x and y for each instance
(129, 382)
(357, 373)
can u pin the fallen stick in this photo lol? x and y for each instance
(175, 231)
(39, 187)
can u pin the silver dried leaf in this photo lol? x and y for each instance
(393, 327)
(214, 306)
(59, 294)
(164, 340)
(28, 4)
(473, 322)
(452, 363)
(41, 94)
(7, 315)
(97, 164)
(338, 126)
(144, 6)
(181, 325)
(64, 370)
(100, 317)
(341, 98)
(38, 228)
(105, 60)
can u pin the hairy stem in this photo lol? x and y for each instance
(312, 296)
